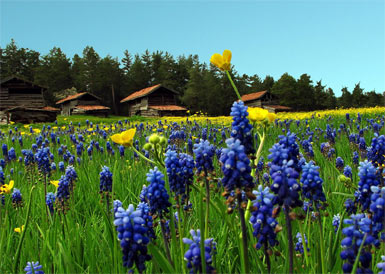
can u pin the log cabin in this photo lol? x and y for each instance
(157, 101)
(82, 103)
(264, 99)
(22, 101)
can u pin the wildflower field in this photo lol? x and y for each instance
(254, 192)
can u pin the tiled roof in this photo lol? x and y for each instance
(278, 107)
(140, 93)
(92, 108)
(168, 107)
(253, 96)
(71, 97)
(51, 108)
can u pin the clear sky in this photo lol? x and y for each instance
(341, 42)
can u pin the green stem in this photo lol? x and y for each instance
(232, 83)
(142, 156)
(321, 243)
(244, 234)
(202, 229)
(290, 237)
(207, 206)
(359, 254)
(168, 254)
(304, 244)
(17, 256)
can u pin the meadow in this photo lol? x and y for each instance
(79, 236)
(253, 192)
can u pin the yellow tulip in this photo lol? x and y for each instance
(6, 188)
(36, 130)
(257, 114)
(126, 138)
(222, 61)
(55, 183)
(19, 229)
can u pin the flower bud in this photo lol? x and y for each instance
(147, 146)
(154, 139)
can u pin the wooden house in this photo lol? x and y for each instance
(153, 101)
(82, 103)
(264, 99)
(22, 101)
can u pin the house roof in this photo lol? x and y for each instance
(51, 108)
(93, 107)
(168, 107)
(253, 96)
(75, 96)
(9, 78)
(278, 107)
(143, 92)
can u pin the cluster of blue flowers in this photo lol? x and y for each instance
(299, 243)
(179, 170)
(312, 184)
(376, 152)
(262, 219)
(377, 208)
(33, 268)
(193, 254)
(43, 161)
(155, 194)
(105, 180)
(359, 226)
(235, 166)
(17, 199)
(134, 232)
(204, 153)
(368, 178)
(241, 128)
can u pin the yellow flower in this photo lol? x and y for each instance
(222, 61)
(6, 189)
(90, 129)
(12, 122)
(257, 114)
(55, 183)
(19, 229)
(271, 117)
(126, 138)
(36, 130)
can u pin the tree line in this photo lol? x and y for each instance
(201, 86)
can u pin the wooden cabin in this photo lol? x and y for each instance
(22, 101)
(153, 101)
(82, 103)
(264, 99)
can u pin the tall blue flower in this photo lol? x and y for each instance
(262, 220)
(235, 166)
(204, 153)
(377, 207)
(4, 148)
(348, 171)
(105, 180)
(155, 194)
(241, 128)
(284, 175)
(376, 153)
(133, 234)
(63, 193)
(193, 254)
(368, 178)
(359, 226)
(381, 265)
(50, 201)
(42, 159)
(312, 184)
(17, 199)
(336, 221)
(339, 163)
(33, 268)
(299, 243)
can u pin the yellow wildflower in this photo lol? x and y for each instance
(36, 130)
(11, 122)
(271, 117)
(55, 183)
(126, 138)
(19, 229)
(222, 61)
(6, 188)
(257, 114)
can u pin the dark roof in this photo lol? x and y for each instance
(75, 96)
(168, 107)
(9, 78)
(253, 96)
(144, 92)
(29, 109)
(51, 108)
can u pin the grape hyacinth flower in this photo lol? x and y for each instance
(381, 265)
(63, 193)
(155, 194)
(105, 180)
(336, 221)
(359, 226)
(299, 243)
(312, 184)
(133, 236)
(241, 128)
(204, 153)
(348, 171)
(193, 254)
(377, 207)
(339, 163)
(368, 178)
(33, 268)
(17, 199)
(49, 201)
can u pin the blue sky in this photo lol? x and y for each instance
(340, 42)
